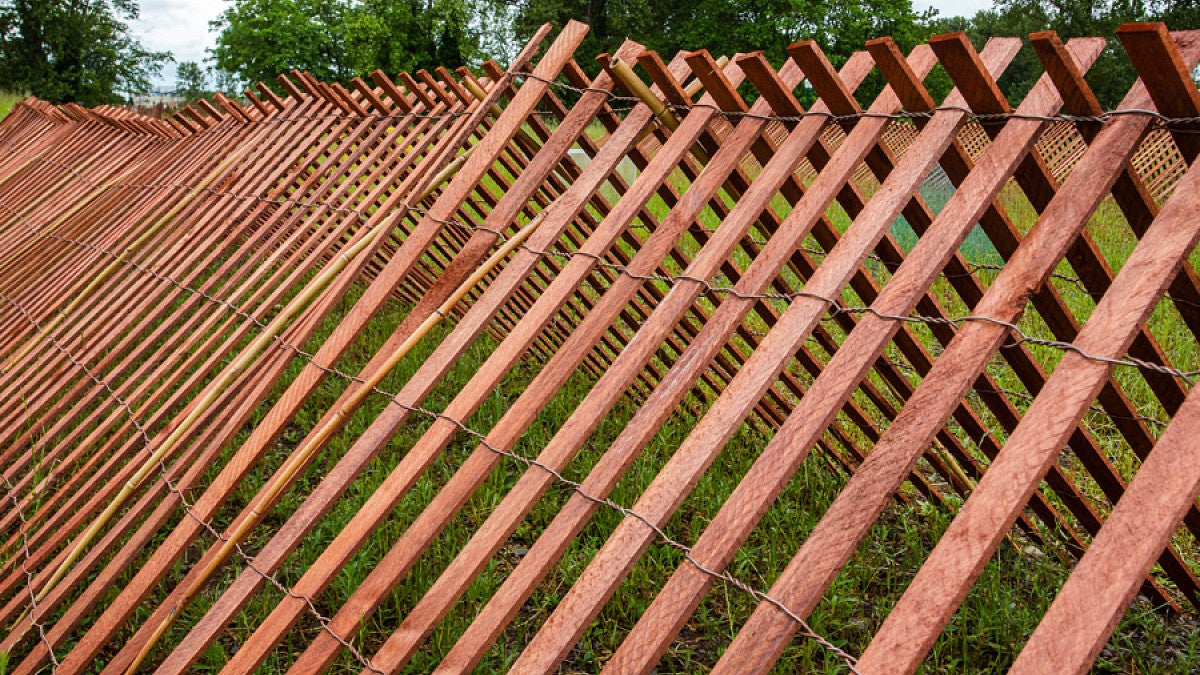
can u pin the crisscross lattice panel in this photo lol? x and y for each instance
(525, 369)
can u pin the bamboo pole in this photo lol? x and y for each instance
(298, 459)
(446, 173)
(627, 78)
(522, 138)
(119, 259)
(624, 74)
(218, 387)
(457, 163)
(695, 87)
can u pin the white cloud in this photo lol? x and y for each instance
(177, 26)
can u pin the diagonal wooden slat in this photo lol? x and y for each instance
(210, 406)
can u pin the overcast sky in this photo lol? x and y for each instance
(181, 26)
(177, 26)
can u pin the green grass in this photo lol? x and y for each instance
(7, 101)
(985, 635)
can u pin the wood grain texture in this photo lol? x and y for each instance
(701, 255)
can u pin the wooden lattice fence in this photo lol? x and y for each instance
(286, 349)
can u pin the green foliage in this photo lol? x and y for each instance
(261, 38)
(74, 51)
(396, 36)
(191, 83)
(338, 40)
(8, 99)
(226, 82)
(1112, 74)
(728, 26)
(985, 635)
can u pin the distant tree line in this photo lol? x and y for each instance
(1112, 74)
(345, 38)
(82, 50)
(340, 39)
(74, 50)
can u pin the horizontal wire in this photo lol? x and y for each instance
(835, 307)
(26, 556)
(1029, 398)
(1187, 376)
(671, 280)
(1160, 120)
(173, 489)
(311, 359)
(806, 630)
(983, 118)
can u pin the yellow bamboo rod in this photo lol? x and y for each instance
(522, 138)
(445, 174)
(298, 459)
(438, 179)
(217, 387)
(696, 85)
(634, 84)
(119, 259)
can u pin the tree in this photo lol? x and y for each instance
(190, 81)
(78, 51)
(409, 34)
(260, 39)
(728, 26)
(1020, 74)
(227, 83)
(610, 21)
(344, 38)
(1112, 74)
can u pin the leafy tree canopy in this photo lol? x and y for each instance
(340, 39)
(78, 51)
(730, 26)
(191, 83)
(344, 38)
(1112, 74)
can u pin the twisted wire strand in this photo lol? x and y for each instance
(836, 307)
(370, 116)
(1161, 120)
(174, 490)
(1181, 124)
(1029, 398)
(725, 576)
(601, 261)
(760, 596)
(834, 303)
(310, 358)
(577, 488)
(33, 602)
(670, 280)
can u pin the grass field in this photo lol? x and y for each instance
(985, 636)
(7, 101)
